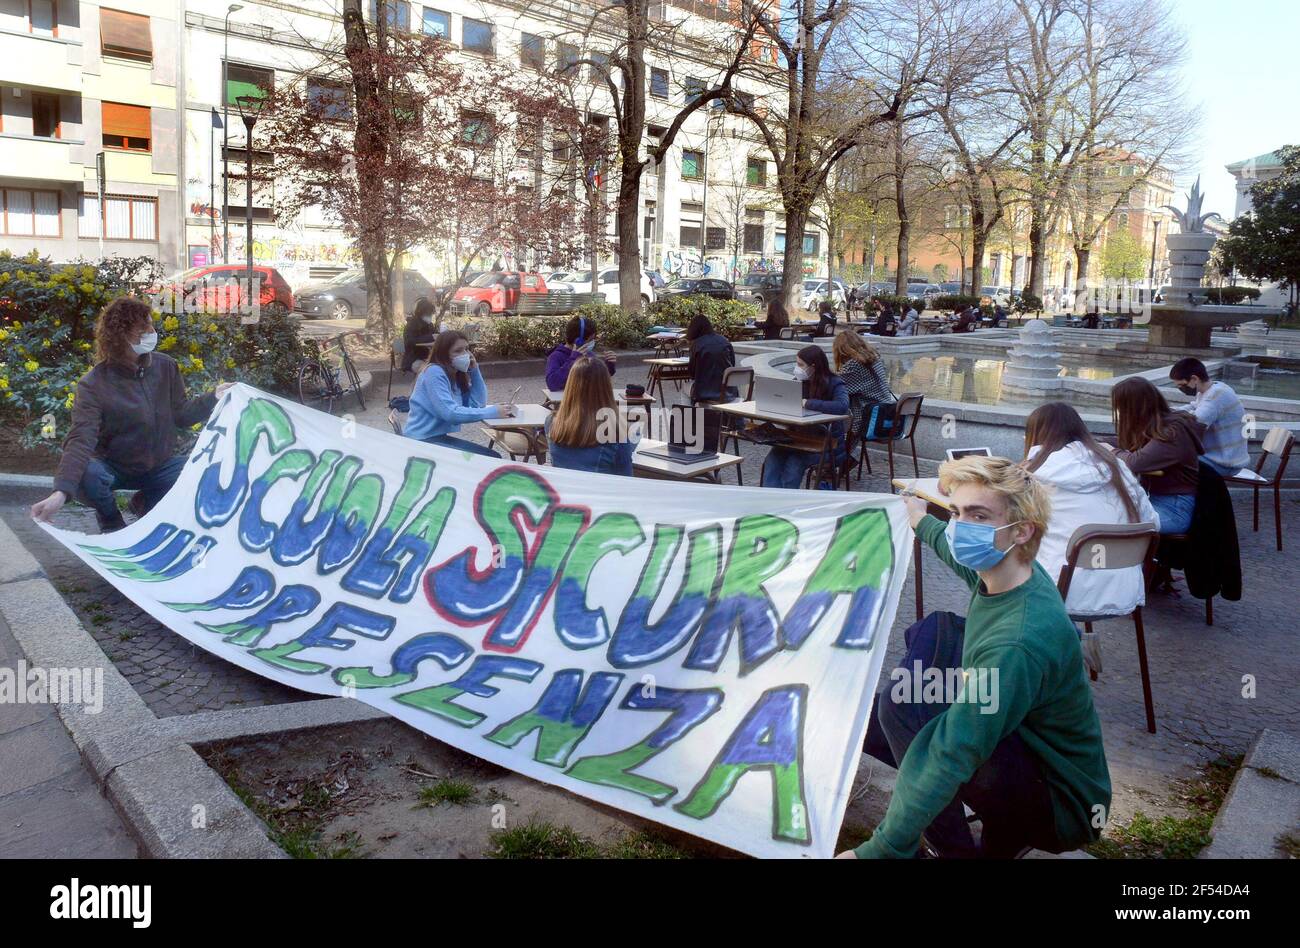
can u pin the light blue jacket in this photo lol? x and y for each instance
(440, 407)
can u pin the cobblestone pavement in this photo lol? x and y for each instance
(1198, 673)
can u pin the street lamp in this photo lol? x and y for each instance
(225, 134)
(249, 107)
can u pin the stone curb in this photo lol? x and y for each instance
(1263, 803)
(156, 790)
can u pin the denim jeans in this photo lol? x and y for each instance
(103, 477)
(461, 444)
(1223, 471)
(1175, 511)
(786, 468)
(1007, 792)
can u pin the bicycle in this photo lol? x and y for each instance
(320, 381)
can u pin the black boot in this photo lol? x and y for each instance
(110, 524)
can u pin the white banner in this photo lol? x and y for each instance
(698, 655)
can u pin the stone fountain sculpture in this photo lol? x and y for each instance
(1185, 320)
(1034, 366)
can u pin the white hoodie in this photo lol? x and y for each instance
(1081, 493)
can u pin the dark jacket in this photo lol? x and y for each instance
(1177, 458)
(415, 332)
(836, 404)
(711, 356)
(128, 417)
(1211, 559)
(560, 360)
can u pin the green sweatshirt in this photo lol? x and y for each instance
(1042, 694)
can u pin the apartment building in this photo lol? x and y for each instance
(710, 206)
(87, 90)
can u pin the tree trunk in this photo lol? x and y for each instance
(978, 244)
(796, 216)
(1081, 257)
(904, 224)
(629, 254)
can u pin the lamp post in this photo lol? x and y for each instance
(225, 134)
(1151, 275)
(249, 107)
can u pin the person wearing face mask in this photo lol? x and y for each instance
(823, 391)
(1216, 406)
(451, 392)
(419, 330)
(579, 342)
(1016, 737)
(125, 416)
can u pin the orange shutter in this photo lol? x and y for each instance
(126, 121)
(125, 34)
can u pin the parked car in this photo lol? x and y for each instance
(607, 284)
(814, 291)
(717, 289)
(758, 288)
(497, 292)
(346, 294)
(221, 288)
(444, 292)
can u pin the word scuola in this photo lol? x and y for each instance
(544, 549)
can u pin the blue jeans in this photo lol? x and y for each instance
(1175, 511)
(461, 444)
(1008, 792)
(786, 468)
(103, 477)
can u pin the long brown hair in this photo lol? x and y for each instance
(587, 391)
(777, 315)
(1140, 413)
(1054, 425)
(818, 384)
(441, 357)
(848, 345)
(118, 320)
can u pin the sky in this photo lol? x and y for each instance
(1242, 70)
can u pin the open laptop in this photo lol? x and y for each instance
(687, 444)
(780, 397)
(956, 453)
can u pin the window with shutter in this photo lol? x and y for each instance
(125, 35)
(25, 213)
(126, 126)
(124, 217)
(247, 81)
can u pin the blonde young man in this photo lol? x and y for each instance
(1019, 742)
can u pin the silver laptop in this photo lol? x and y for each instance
(780, 397)
(955, 454)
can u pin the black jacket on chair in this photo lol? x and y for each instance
(711, 356)
(1211, 559)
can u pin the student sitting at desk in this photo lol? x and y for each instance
(579, 430)
(824, 392)
(778, 318)
(449, 393)
(711, 356)
(579, 342)
(1153, 438)
(1088, 484)
(418, 331)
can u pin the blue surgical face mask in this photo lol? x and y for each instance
(972, 543)
(461, 362)
(588, 346)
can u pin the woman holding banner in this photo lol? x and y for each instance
(451, 392)
(125, 415)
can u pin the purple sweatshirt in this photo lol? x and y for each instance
(561, 360)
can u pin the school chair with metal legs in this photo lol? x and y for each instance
(1277, 444)
(1096, 546)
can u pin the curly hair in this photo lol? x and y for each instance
(116, 321)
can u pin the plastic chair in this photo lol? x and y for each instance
(742, 379)
(907, 414)
(1097, 546)
(1278, 444)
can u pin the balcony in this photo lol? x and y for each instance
(40, 159)
(39, 62)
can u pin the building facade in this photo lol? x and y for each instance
(88, 89)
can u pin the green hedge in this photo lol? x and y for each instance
(1231, 295)
(47, 323)
(955, 301)
(901, 304)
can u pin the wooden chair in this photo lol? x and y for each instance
(907, 414)
(519, 443)
(395, 353)
(1277, 444)
(1096, 546)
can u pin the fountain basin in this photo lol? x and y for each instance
(1187, 326)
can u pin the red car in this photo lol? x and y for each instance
(222, 289)
(497, 292)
